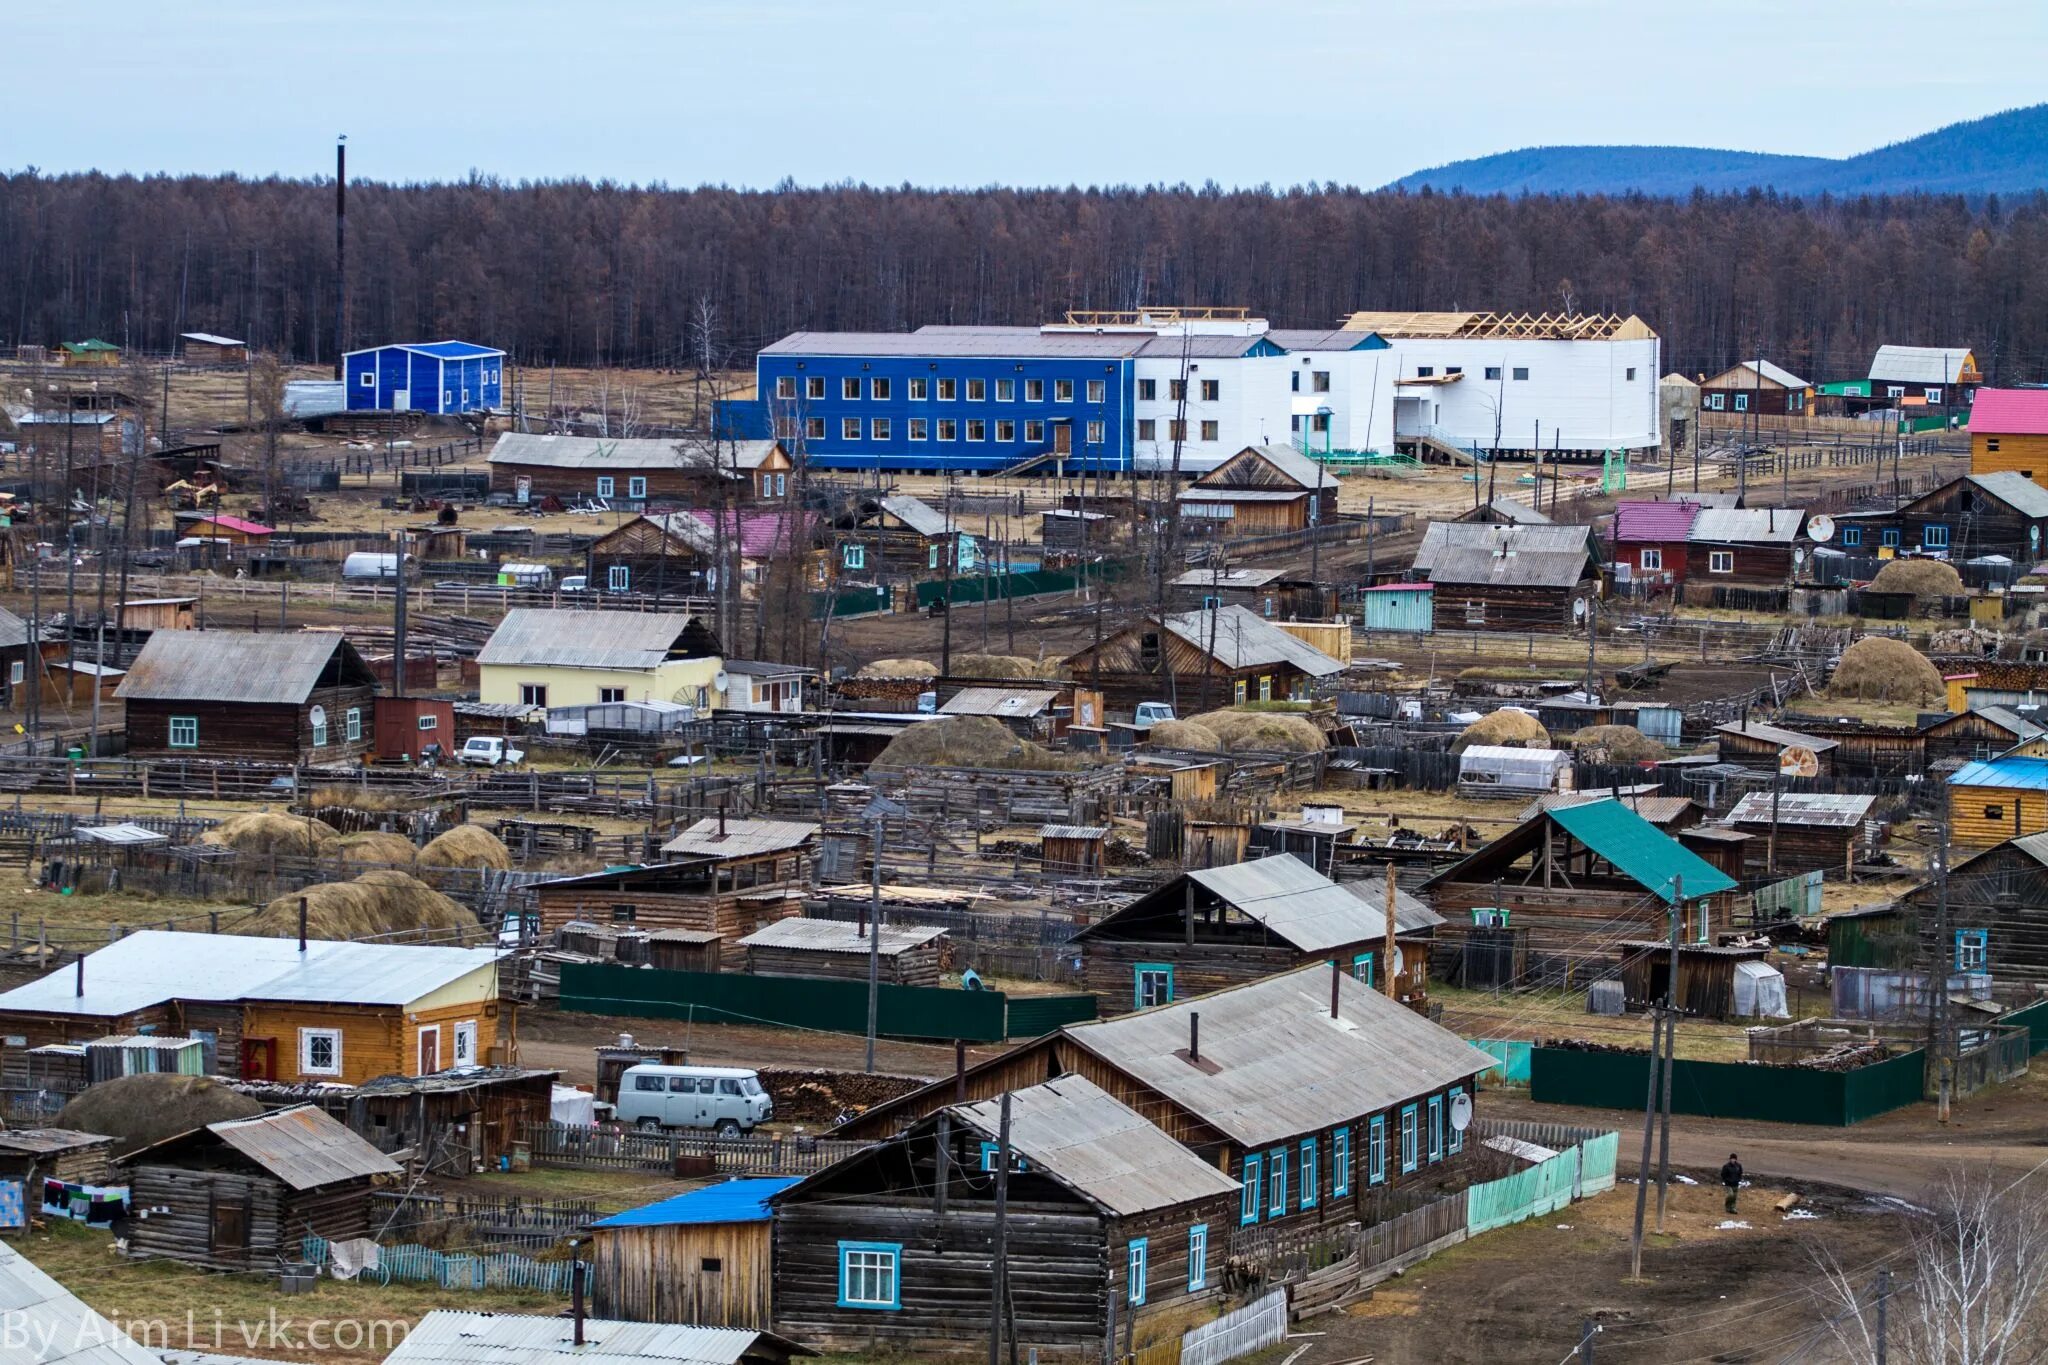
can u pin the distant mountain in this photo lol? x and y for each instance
(2004, 154)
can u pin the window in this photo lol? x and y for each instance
(1034, 390)
(1319, 421)
(606, 485)
(977, 430)
(933, 555)
(1209, 431)
(1265, 687)
(1148, 389)
(319, 719)
(867, 1275)
(849, 428)
(1408, 1135)
(1176, 429)
(1376, 1152)
(1176, 389)
(1934, 395)
(920, 388)
(16, 673)
(619, 578)
(1852, 536)
(1309, 1182)
(627, 914)
(1720, 561)
(1889, 536)
(1097, 391)
(1991, 444)
(1276, 1182)
(1475, 613)
(1152, 984)
(1248, 1206)
(1006, 431)
(1492, 371)
(1212, 389)
(430, 722)
(1095, 433)
(1062, 390)
(1436, 1128)
(1134, 1271)
(465, 1043)
(782, 484)
(369, 379)
(814, 428)
(1241, 690)
(977, 390)
(1717, 401)
(1994, 812)
(1319, 381)
(607, 696)
(320, 1052)
(949, 389)
(1454, 369)
(533, 694)
(879, 429)
(949, 429)
(1034, 433)
(814, 386)
(1628, 376)
(352, 722)
(1340, 1163)
(849, 388)
(1650, 559)
(636, 487)
(1294, 381)
(1973, 949)
(1934, 537)
(853, 556)
(1457, 1133)
(1148, 430)
(1361, 969)
(1521, 372)
(1006, 390)
(1895, 391)
(184, 732)
(920, 428)
(1198, 1256)
(785, 386)
(1425, 371)
(878, 388)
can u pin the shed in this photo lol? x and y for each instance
(241, 1195)
(1815, 831)
(1073, 850)
(909, 954)
(1401, 606)
(209, 348)
(695, 892)
(685, 950)
(1026, 712)
(1505, 771)
(32, 1154)
(91, 351)
(1706, 975)
(157, 613)
(704, 1257)
(408, 727)
(1757, 746)
(448, 1337)
(1997, 799)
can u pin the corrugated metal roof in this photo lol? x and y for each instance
(124, 834)
(1313, 339)
(2011, 487)
(918, 515)
(13, 630)
(741, 837)
(211, 339)
(1201, 346)
(760, 532)
(840, 936)
(735, 1201)
(2018, 772)
(2009, 412)
(1441, 537)
(1658, 810)
(231, 666)
(1082, 1136)
(52, 1326)
(303, 1147)
(1776, 374)
(1219, 577)
(1803, 808)
(1072, 831)
(1282, 1065)
(1296, 467)
(1772, 734)
(1295, 903)
(1528, 568)
(1653, 521)
(999, 701)
(563, 638)
(1517, 514)
(605, 453)
(1641, 851)
(447, 1337)
(1411, 916)
(1747, 525)
(1919, 364)
(1002, 343)
(2012, 722)
(440, 350)
(1240, 638)
(41, 1141)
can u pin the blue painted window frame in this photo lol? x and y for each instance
(1852, 536)
(1198, 1256)
(988, 1158)
(1135, 1257)
(1376, 1151)
(1457, 1140)
(1979, 943)
(894, 1250)
(854, 556)
(1410, 1138)
(1254, 1192)
(1310, 1177)
(606, 486)
(1340, 1163)
(636, 487)
(1934, 536)
(1362, 977)
(186, 726)
(1138, 973)
(1436, 1129)
(1276, 1183)
(1889, 536)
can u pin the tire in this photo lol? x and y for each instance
(649, 1125)
(728, 1129)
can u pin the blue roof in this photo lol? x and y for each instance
(440, 350)
(736, 1201)
(2027, 774)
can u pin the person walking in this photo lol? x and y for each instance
(1731, 1179)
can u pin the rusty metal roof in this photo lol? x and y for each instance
(303, 1147)
(233, 666)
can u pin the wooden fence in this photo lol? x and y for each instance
(607, 1148)
(412, 1264)
(475, 1219)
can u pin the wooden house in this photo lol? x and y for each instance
(2009, 433)
(750, 853)
(1721, 848)
(1500, 577)
(757, 685)
(906, 954)
(90, 352)
(1997, 916)
(30, 1155)
(287, 698)
(1993, 513)
(242, 1195)
(663, 554)
(1933, 379)
(1792, 832)
(1980, 732)
(206, 348)
(1741, 547)
(158, 613)
(906, 535)
(633, 470)
(1756, 386)
(1505, 511)
(1755, 745)
(1272, 593)
(24, 663)
(458, 1122)
(1215, 927)
(705, 1257)
(223, 529)
(449, 1337)
(1649, 545)
(1260, 490)
(1109, 1222)
(1069, 531)
(1574, 877)
(86, 434)
(1228, 653)
(1400, 606)
(1073, 850)
(1995, 799)
(542, 657)
(696, 892)
(272, 1010)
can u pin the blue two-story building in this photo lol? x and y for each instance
(446, 377)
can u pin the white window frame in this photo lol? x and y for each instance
(849, 388)
(429, 723)
(1006, 390)
(1895, 390)
(879, 388)
(189, 725)
(1034, 390)
(352, 723)
(1034, 431)
(879, 429)
(920, 429)
(465, 1032)
(1096, 432)
(977, 429)
(814, 428)
(849, 428)
(1650, 558)
(814, 388)
(949, 390)
(920, 388)
(785, 386)
(1006, 430)
(1098, 391)
(533, 694)
(619, 578)
(1716, 402)
(607, 486)
(17, 673)
(369, 380)
(307, 1037)
(611, 696)
(863, 1264)
(320, 730)
(1720, 561)
(949, 428)
(1934, 395)
(781, 485)
(1062, 390)
(977, 390)
(1198, 1257)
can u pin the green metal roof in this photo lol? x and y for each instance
(1853, 388)
(1641, 850)
(90, 344)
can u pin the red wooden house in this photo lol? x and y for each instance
(1650, 546)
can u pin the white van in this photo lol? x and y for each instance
(728, 1100)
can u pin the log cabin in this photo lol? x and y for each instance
(330, 1011)
(1941, 379)
(299, 698)
(705, 1257)
(1275, 594)
(1756, 386)
(1997, 917)
(695, 892)
(1758, 746)
(1815, 831)
(1996, 799)
(1261, 490)
(1108, 1222)
(30, 1155)
(1229, 654)
(1999, 512)
(1983, 731)
(449, 1337)
(906, 535)
(906, 954)
(208, 348)
(1741, 547)
(660, 554)
(635, 471)
(1500, 577)
(243, 1194)
(1216, 927)
(2009, 432)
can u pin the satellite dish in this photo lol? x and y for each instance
(1796, 760)
(1461, 1112)
(1820, 527)
(1578, 608)
(720, 681)
(319, 717)
(1400, 963)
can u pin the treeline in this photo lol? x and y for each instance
(585, 274)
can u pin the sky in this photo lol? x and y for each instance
(978, 92)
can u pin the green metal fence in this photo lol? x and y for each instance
(968, 587)
(859, 601)
(1781, 1094)
(2034, 1019)
(1513, 1055)
(1034, 1016)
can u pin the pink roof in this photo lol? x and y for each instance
(2010, 412)
(1653, 521)
(762, 533)
(247, 528)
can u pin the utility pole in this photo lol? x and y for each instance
(1941, 960)
(340, 251)
(875, 944)
(999, 1279)
(1391, 947)
(1670, 1051)
(1587, 1327)
(398, 618)
(1884, 1294)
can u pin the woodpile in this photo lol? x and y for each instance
(1845, 1057)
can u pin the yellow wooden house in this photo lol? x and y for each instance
(545, 657)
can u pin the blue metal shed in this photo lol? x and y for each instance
(736, 1201)
(445, 377)
(1401, 606)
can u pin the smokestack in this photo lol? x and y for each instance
(78, 990)
(340, 251)
(721, 819)
(1336, 981)
(576, 1295)
(302, 924)
(1194, 1035)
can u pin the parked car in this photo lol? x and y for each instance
(1152, 712)
(574, 583)
(490, 751)
(727, 1100)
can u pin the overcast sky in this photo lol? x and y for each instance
(975, 92)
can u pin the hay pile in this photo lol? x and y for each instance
(376, 846)
(139, 1110)
(968, 742)
(1878, 669)
(1924, 578)
(1186, 734)
(1616, 744)
(466, 846)
(1512, 729)
(899, 668)
(382, 902)
(1262, 731)
(1003, 666)
(263, 833)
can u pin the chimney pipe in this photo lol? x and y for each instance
(1336, 981)
(78, 990)
(959, 1071)
(1194, 1035)
(576, 1294)
(302, 924)
(721, 819)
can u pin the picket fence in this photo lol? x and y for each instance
(423, 1265)
(1254, 1327)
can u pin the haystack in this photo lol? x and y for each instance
(265, 832)
(386, 901)
(899, 668)
(1262, 731)
(1924, 578)
(967, 742)
(1617, 744)
(1187, 734)
(1511, 729)
(466, 846)
(377, 846)
(137, 1111)
(1003, 666)
(1880, 669)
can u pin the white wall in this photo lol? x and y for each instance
(1251, 408)
(1579, 394)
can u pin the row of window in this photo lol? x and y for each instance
(1270, 1179)
(536, 694)
(1211, 390)
(320, 1048)
(949, 429)
(1176, 430)
(881, 389)
(184, 730)
(871, 1273)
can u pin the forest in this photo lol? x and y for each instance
(597, 274)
